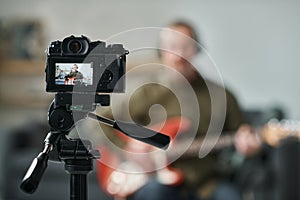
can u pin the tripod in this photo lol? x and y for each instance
(77, 154)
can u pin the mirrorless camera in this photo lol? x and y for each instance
(78, 65)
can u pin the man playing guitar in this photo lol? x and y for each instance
(195, 177)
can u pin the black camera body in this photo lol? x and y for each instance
(78, 65)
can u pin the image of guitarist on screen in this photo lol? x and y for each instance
(192, 177)
(74, 77)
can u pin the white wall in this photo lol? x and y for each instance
(254, 43)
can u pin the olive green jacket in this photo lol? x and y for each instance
(226, 115)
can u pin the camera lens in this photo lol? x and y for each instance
(75, 46)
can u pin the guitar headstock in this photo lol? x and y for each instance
(275, 130)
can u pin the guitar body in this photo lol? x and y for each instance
(121, 183)
(113, 181)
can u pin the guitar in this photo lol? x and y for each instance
(122, 184)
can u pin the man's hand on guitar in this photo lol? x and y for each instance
(122, 184)
(246, 141)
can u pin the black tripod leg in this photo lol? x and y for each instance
(78, 187)
(78, 163)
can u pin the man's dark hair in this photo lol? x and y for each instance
(191, 29)
(187, 25)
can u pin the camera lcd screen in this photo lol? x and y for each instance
(74, 74)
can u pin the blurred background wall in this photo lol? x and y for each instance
(254, 44)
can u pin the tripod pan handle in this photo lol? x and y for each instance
(143, 134)
(34, 174)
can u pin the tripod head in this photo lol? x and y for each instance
(76, 154)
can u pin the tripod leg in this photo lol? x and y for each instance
(78, 163)
(78, 187)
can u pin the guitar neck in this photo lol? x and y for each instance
(213, 143)
(271, 134)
